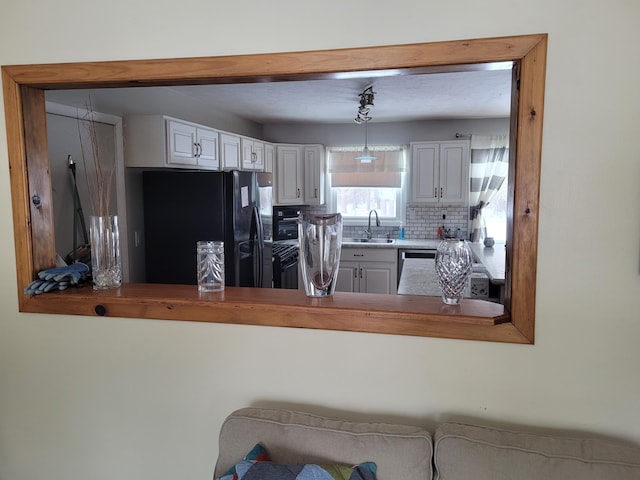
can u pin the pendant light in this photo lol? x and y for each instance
(366, 156)
(366, 102)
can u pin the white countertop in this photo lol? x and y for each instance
(417, 243)
(493, 259)
(418, 277)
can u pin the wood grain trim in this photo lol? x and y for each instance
(526, 186)
(18, 179)
(26, 133)
(395, 315)
(272, 66)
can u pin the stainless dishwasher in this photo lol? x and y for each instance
(413, 253)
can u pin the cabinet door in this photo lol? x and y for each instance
(313, 174)
(348, 277)
(378, 277)
(252, 154)
(230, 151)
(425, 172)
(207, 141)
(181, 148)
(454, 172)
(269, 157)
(258, 155)
(289, 174)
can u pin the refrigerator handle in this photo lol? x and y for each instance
(257, 236)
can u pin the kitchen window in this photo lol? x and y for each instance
(355, 187)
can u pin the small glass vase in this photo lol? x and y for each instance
(320, 238)
(454, 262)
(106, 266)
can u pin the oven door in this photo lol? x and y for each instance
(285, 222)
(289, 276)
(286, 229)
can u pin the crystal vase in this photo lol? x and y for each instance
(106, 267)
(454, 262)
(320, 239)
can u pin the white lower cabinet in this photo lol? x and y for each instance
(368, 270)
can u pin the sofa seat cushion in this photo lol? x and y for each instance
(471, 452)
(399, 451)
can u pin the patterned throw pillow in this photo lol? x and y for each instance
(252, 470)
(257, 454)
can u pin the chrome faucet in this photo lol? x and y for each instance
(369, 226)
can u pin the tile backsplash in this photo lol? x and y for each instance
(422, 221)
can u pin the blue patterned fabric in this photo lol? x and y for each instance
(252, 470)
(257, 454)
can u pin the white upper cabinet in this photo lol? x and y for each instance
(159, 141)
(299, 174)
(229, 151)
(208, 153)
(269, 157)
(440, 172)
(182, 143)
(314, 160)
(252, 154)
(289, 175)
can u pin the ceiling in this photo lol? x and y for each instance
(479, 93)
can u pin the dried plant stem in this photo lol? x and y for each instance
(98, 172)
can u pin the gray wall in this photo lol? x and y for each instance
(384, 133)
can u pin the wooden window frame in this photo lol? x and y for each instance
(24, 100)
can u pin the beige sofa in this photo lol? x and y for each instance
(455, 451)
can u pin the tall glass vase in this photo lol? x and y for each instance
(320, 238)
(454, 262)
(105, 252)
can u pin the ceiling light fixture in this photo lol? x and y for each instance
(366, 102)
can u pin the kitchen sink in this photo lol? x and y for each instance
(368, 240)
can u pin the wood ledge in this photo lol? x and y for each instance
(356, 312)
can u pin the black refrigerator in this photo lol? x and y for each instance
(182, 207)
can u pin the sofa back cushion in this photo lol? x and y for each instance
(479, 453)
(399, 451)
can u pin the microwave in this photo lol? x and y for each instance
(285, 222)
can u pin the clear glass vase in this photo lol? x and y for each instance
(454, 262)
(106, 266)
(320, 238)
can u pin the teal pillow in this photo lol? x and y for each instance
(252, 470)
(257, 454)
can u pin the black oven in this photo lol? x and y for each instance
(285, 223)
(285, 265)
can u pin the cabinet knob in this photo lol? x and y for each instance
(440, 192)
(315, 193)
(298, 193)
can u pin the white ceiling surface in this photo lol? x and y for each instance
(471, 94)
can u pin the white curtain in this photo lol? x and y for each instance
(489, 169)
